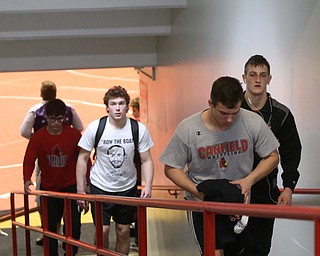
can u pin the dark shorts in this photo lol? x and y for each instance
(121, 214)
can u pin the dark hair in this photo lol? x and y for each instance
(227, 90)
(257, 60)
(48, 90)
(55, 107)
(116, 92)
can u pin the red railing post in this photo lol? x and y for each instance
(45, 224)
(99, 224)
(209, 234)
(317, 236)
(14, 228)
(27, 223)
(142, 230)
(68, 224)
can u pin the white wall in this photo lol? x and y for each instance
(212, 38)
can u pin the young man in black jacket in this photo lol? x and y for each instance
(281, 121)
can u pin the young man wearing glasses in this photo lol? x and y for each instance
(35, 119)
(55, 147)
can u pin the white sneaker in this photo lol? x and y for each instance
(241, 224)
(3, 233)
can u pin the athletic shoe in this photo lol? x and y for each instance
(3, 233)
(134, 246)
(241, 224)
(39, 241)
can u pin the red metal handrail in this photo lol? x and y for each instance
(209, 209)
(172, 190)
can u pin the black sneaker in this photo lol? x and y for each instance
(39, 241)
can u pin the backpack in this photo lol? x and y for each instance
(135, 135)
(41, 118)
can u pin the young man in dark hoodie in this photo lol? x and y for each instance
(280, 120)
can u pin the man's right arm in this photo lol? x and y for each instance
(81, 171)
(179, 178)
(265, 166)
(29, 164)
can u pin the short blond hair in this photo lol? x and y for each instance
(48, 90)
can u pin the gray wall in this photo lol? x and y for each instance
(214, 38)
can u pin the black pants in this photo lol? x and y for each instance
(258, 236)
(55, 213)
(258, 233)
(226, 239)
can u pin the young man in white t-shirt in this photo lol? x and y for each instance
(114, 172)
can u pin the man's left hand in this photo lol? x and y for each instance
(285, 198)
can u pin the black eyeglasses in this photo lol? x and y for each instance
(53, 119)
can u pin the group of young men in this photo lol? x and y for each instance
(62, 156)
(239, 139)
(235, 142)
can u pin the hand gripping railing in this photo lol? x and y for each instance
(208, 208)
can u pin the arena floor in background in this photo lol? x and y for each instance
(84, 90)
